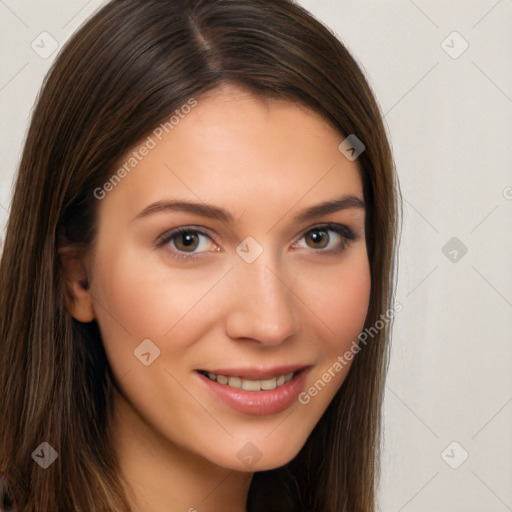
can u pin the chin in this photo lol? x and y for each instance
(259, 455)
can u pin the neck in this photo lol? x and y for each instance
(162, 476)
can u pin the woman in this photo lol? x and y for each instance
(140, 373)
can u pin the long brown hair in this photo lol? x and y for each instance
(120, 75)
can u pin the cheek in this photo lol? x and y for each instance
(140, 297)
(347, 306)
(342, 307)
(339, 296)
(145, 297)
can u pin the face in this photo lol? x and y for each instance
(228, 276)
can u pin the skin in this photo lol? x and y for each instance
(264, 161)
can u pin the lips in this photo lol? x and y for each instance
(254, 390)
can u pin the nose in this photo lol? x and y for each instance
(263, 305)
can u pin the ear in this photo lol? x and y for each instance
(76, 283)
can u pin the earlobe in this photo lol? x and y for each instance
(76, 284)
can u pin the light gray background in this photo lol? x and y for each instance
(450, 124)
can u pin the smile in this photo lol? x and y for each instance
(251, 384)
(256, 391)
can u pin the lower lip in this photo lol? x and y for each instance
(258, 402)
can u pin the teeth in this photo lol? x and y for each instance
(222, 379)
(235, 382)
(268, 384)
(251, 385)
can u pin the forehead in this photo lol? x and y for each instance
(239, 151)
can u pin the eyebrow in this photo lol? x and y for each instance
(214, 212)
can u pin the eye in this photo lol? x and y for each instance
(186, 239)
(319, 238)
(189, 242)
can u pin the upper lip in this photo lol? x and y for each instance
(257, 373)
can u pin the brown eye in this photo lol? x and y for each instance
(319, 238)
(186, 241)
(328, 239)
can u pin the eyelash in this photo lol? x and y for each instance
(340, 229)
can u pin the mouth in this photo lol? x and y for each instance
(246, 384)
(256, 391)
